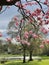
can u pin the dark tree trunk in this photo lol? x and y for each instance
(24, 60)
(4, 2)
(30, 57)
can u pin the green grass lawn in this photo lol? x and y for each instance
(35, 62)
(8, 55)
(45, 57)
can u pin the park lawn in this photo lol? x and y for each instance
(35, 62)
(45, 57)
(9, 55)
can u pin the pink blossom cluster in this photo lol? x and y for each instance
(45, 31)
(8, 39)
(0, 34)
(41, 46)
(9, 0)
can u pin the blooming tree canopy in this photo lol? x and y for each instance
(38, 16)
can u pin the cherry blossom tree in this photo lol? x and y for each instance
(26, 34)
(18, 29)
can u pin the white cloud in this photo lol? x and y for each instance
(3, 30)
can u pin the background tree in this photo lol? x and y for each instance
(18, 26)
(26, 34)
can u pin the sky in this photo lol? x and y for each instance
(6, 17)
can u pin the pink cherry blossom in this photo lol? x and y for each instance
(26, 33)
(8, 39)
(46, 16)
(25, 42)
(47, 13)
(15, 18)
(40, 23)
(0, 34)
(28, 43)
(8, 0)
(45, 31)
(17, 23)
(26, 36)
(21, 20)
(46, 22)
(30, 32)
(27, 11)
(38, 18)
(38, 11)
(34, 35)
(30, 3)
(47, 41)
(41, 46)
(33, 14)
(46, 1)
